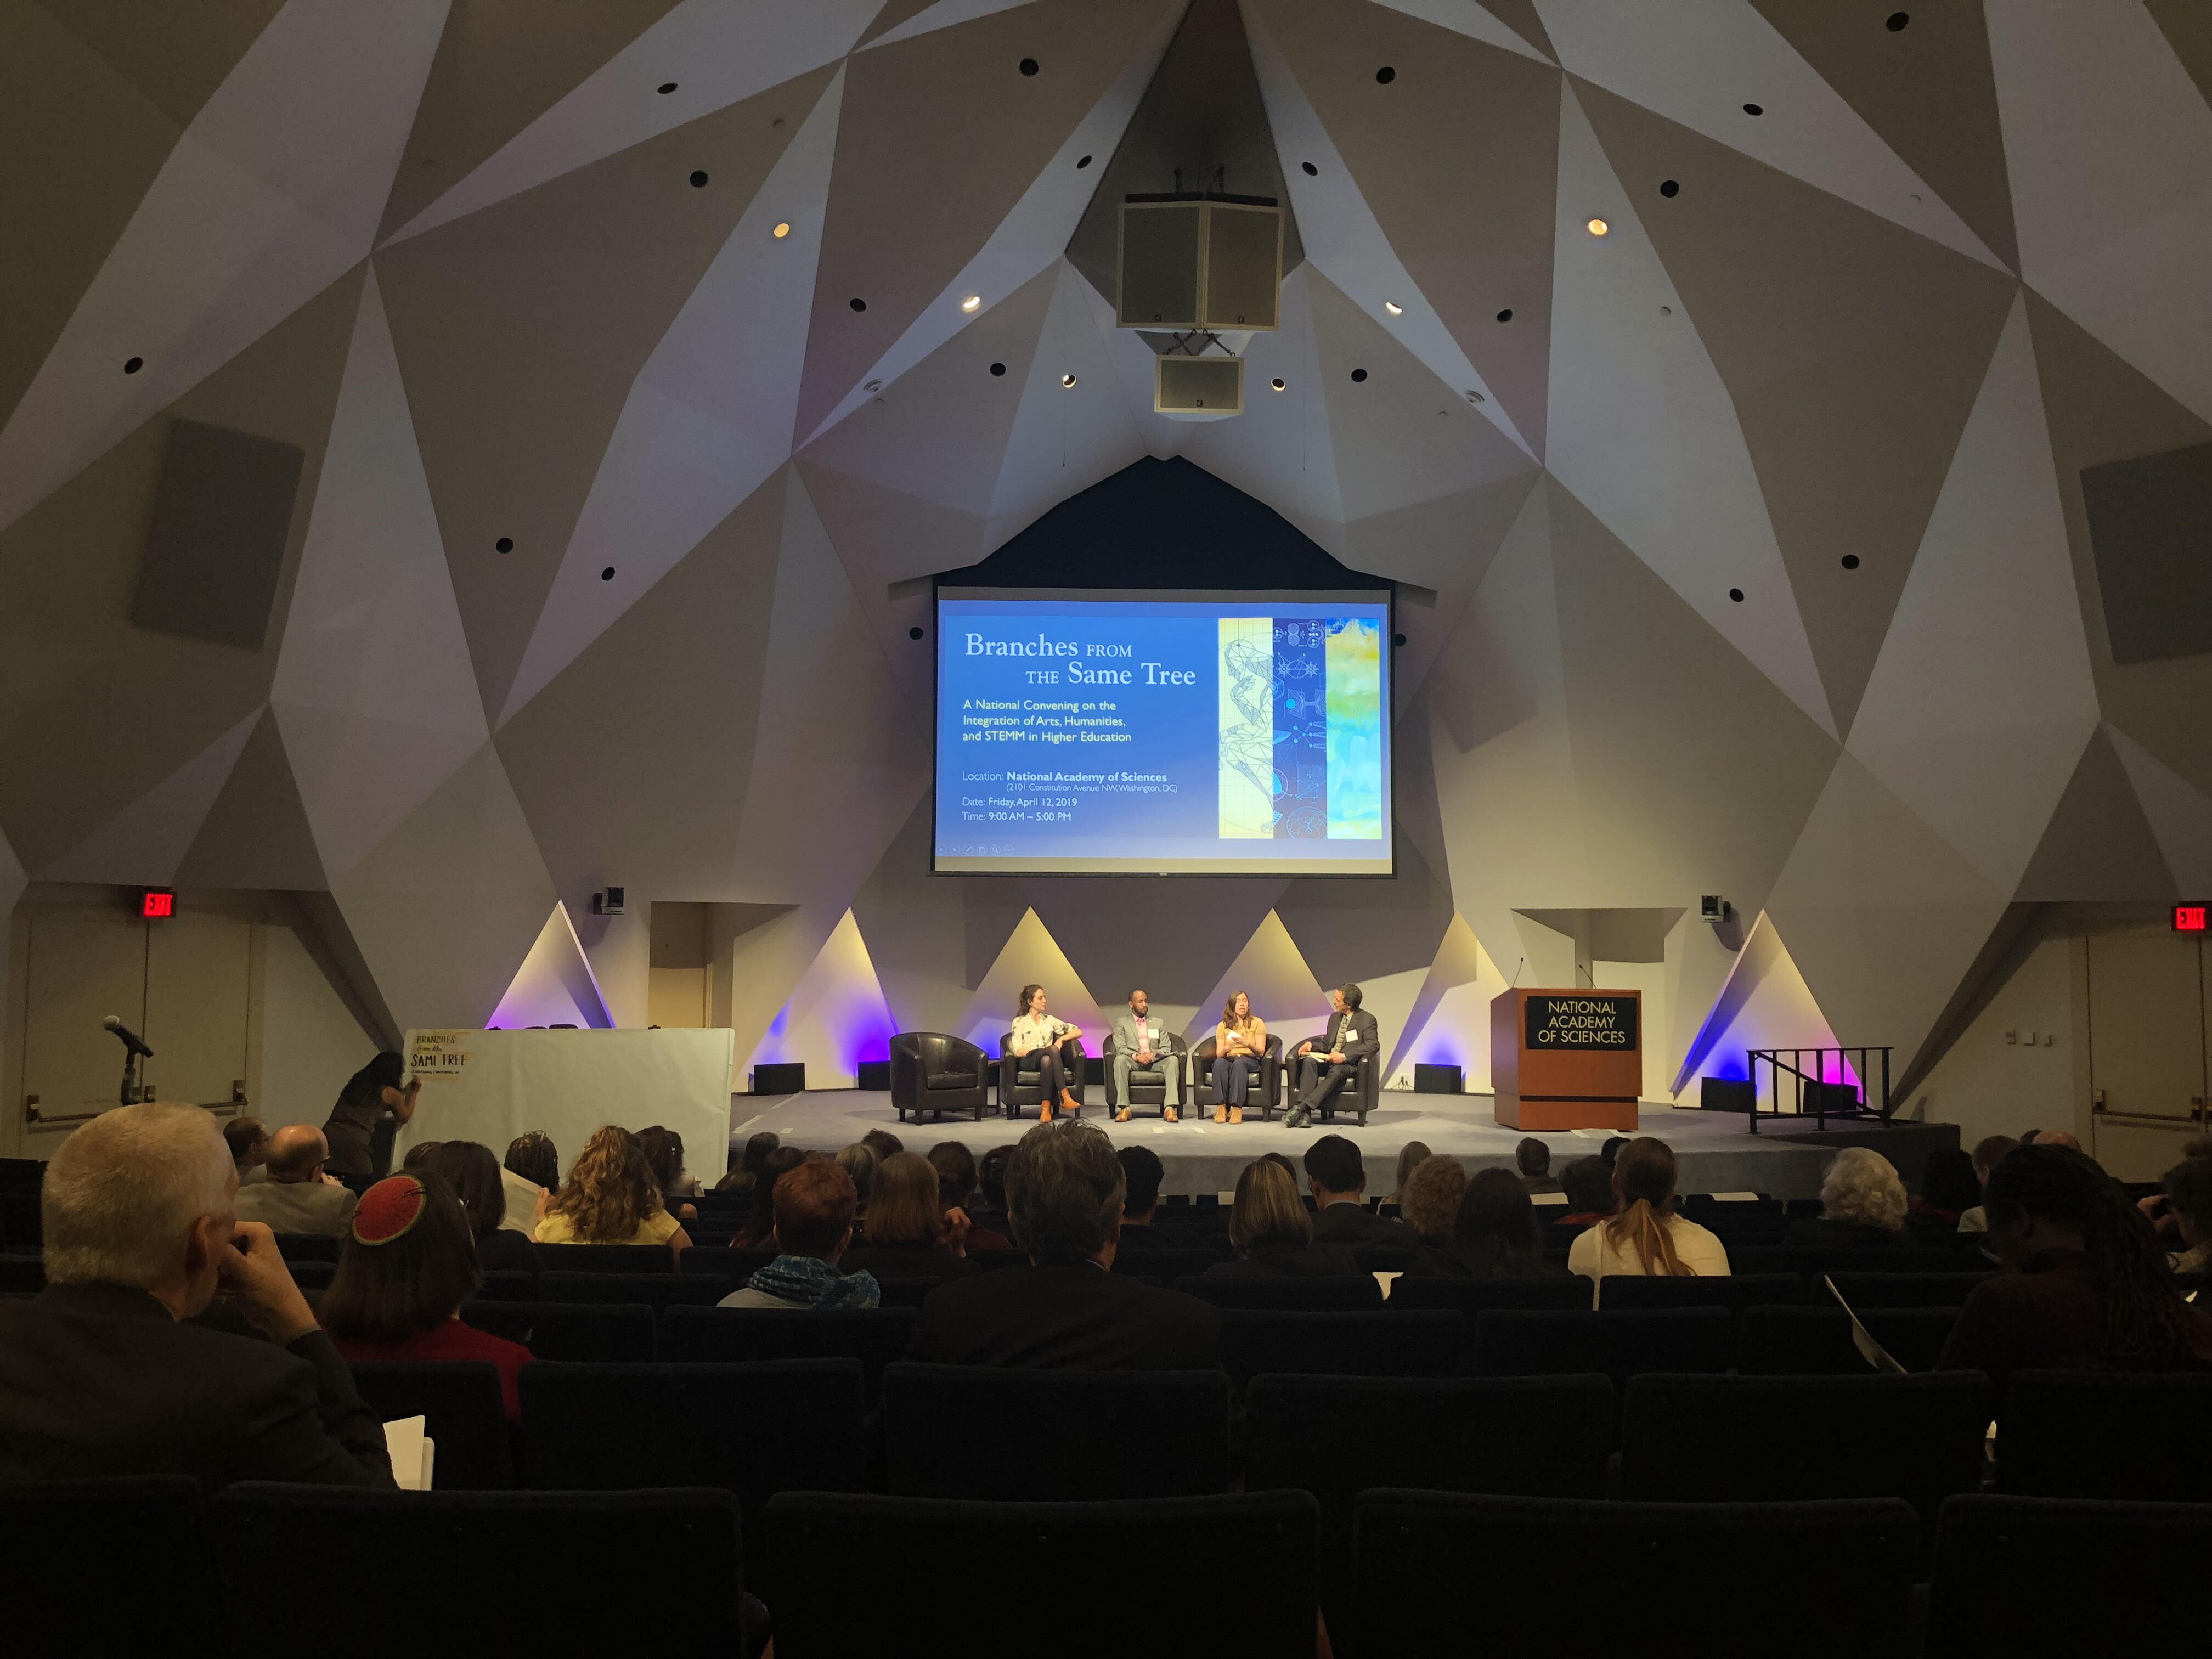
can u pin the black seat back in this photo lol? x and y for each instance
(114, 1566)
(607, 1258)
(1260, 1603)
(1621, 1345)
(1354, 1293)
(1513, 1565)
(874, 1336)
(465, 1416)
(1256, 1341)
(1735, 1292)
(2101, 1434)
(653, 1290)
(1864, 1291)
(308, 1246)
(1817, 1341)
(731, 1263)
(578, 1331)
(1471, 1296)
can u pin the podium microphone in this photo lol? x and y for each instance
(1517, 967)
(131, 1039)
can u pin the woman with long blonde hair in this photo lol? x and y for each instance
(610, 1198)
(1643, 1237)
(1240, 1048)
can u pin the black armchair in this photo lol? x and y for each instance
(1019, 1084)
(1150, 1088)
(935, 1074)
(1266, 1090)
(1358, 1094)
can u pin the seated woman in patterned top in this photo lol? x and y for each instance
(1037, 1032)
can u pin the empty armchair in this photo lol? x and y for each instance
(933, 1074)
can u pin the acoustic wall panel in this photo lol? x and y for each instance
(222, 514)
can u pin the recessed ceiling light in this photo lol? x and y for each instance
(1067, 380)
(781, 232)
(1277, 383)
(667, 87)
(1598, 226)
(608, 575)
(971, 302)
(1394, 307)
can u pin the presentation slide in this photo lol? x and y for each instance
(1085, 732)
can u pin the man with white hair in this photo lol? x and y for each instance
(105, 1374)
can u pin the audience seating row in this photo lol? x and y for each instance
(1428, 1572)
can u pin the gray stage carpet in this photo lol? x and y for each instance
(1714, 1150)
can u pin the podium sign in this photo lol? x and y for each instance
(1567, 1060)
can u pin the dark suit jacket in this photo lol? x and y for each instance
(99, 1379)
(1071, 1318)
(1353, 1032)
(1350, 1223)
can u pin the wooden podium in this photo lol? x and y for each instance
(1567, 1060)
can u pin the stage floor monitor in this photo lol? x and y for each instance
(1094, 733)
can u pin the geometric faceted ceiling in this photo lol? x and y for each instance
(1740, 548)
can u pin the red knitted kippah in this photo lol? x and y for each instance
(388, 1209)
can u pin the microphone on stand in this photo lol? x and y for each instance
(132, 1041)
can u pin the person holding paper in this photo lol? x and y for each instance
(1240, 1048)
(1326, 1063)
(370, 1111)
(1037, 1032)
(1140, 1044)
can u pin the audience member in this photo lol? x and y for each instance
(1411, 1156)
(956, 1189)
(2188, 1201)
(858, 1161)
(369, 1112)
(1612, 1149)
(417, 1152)
(1588, 1183)
(1273, 1235)
(531, 1156)
(1338, 1177)
(1948, 1188)
(249, 1149)
(297, 1198)
(2085, 1286)
(1142, 1174)
(909, 1235)
(813, 1207)
(760, 1225)
(1495, 1235)
(2049, 1138)
(1430, 1199)
(1645, 1237)
(469, 1168)
(1989, 1152)
(1533, 1159)
(1069, 1310)
(745, 1176)
(610, 1198)
(664, 1155)
(1862, 1205)
(103, 1373)
(408, 1265)
(883, 1143)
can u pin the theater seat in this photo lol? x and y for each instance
(957, 1431)
(1349, 1293)
(508, 1284)
(1620, 1344)
(1442, 1572)
(607, 1258)
(116, 1566)
(1335, 1437)
(466, 1416)
(1864, 1291)
(483, 1573)
(2025, 1578)
(1258, 1341)
(2100, 1434)
(733, 1264)
(655, 1291)
(568, 1331)
(1470, 1296)
(25, 1274)
(308, 1246)
(874, 1336)
(1735, 1292)
(751, 1430)
(1816, 1340)
(869, 1575)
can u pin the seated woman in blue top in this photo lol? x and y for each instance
(1037, 1032)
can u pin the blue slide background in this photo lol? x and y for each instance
(1078, 766)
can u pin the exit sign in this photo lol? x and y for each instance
(2190, 918)
(157, 903)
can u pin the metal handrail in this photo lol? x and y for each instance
(1795, 1067)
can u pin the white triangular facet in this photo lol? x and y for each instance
(1982, 697)
(1645, 434)
(271, 195)
(375, 694)
(2179, 814)
(718, 53)
(1344, 241)
(944, 14)
(1273, 972)
(1029, 956)
(1466, 17)
(709, 417)
(1700, 62)
(555, 986)
(837, 1017)
(2108, 145)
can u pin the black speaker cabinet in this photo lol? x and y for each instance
(1726, 1094)
(1198, 385)
(874, 1074)
(1438, 1080)
(784, 1079)
(1189, 262)
(223, 514)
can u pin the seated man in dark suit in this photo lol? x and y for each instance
(1067, 1310)
(1330, 1061)
(106, 1374)
(1339, 1179)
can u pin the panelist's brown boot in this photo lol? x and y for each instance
(1044, 1110)
(1121, 1117)
(1070, 1104)
(1221, 1114)
(1236, 1114)
(1170, 1116)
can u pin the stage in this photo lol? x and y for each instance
(1714, 1150)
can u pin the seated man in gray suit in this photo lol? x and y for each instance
(1329, 1061)
(298, 1197)
(1140, 1044)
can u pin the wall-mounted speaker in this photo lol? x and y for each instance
(222, 515)
(1198, 385)
(1189, 262)
(2146, 519)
